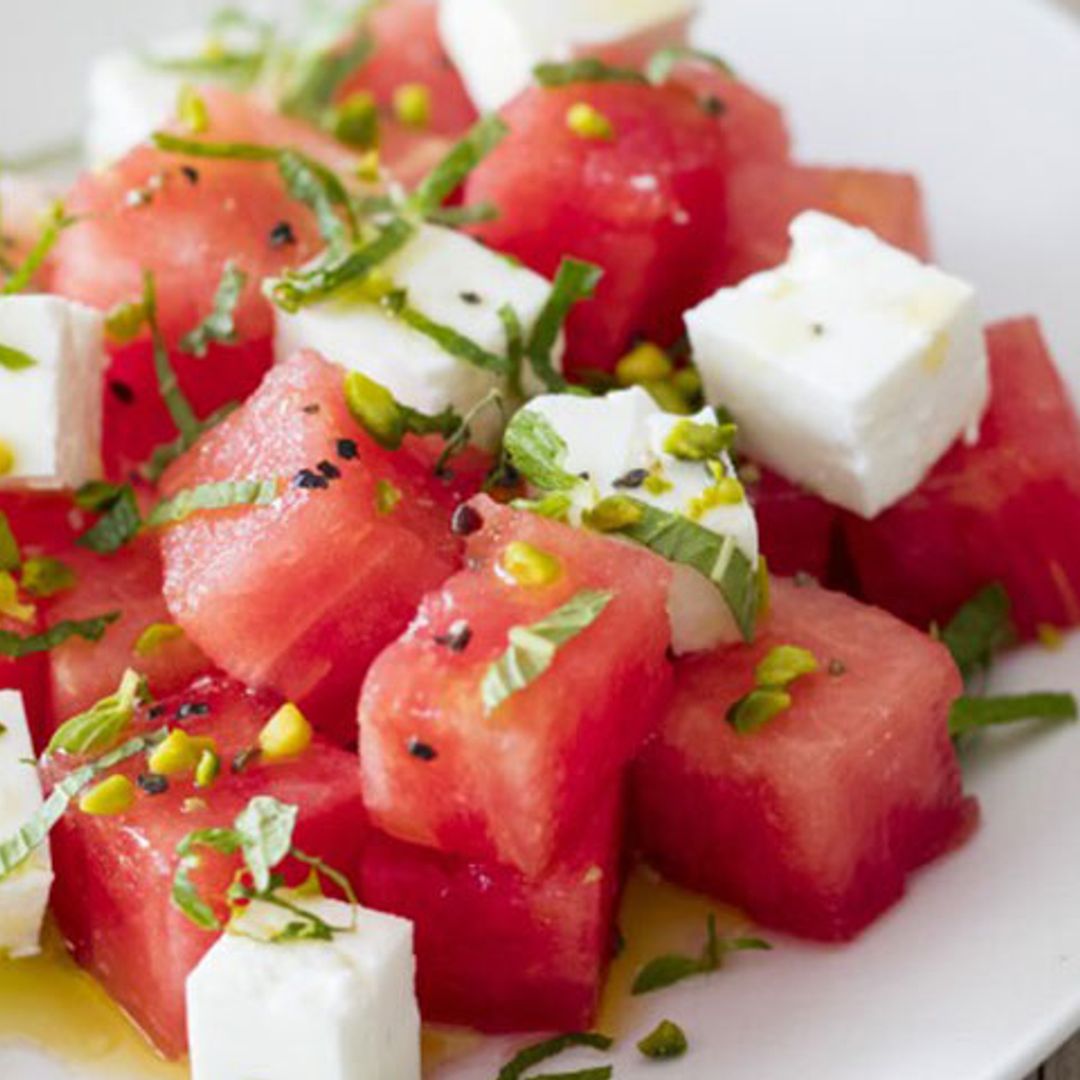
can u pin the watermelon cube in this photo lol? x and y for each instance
(513, 781)
(128, 582)
(497, 950)
(765, 197)
(114, 874)
(1006, 509)
(302, 594)
(636, 204)
(812, 822)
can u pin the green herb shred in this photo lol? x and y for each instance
(220, 324)
(223, 495)
(449, 174)
(532, 1055)
(970, 714)
(93, 629)
(57, 222)
(119, 523)
(666, 1040)
(12, 359)
(574, 281)
(588, 69)
(10, 554)
(104, 723)
(662, 63)
(981, 628)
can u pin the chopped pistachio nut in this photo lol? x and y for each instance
(666, 1040)
(7, 458)
(668, 398)
(191, 110)
(375, 409)
(688, 382)
(386, 497)
(754, 711)
(10, 604)
(206, 772)
(178, 753)
(355, 121)
(690, 441)
(725, 492)
(124, 322)
(528, 565)
(587, 122)
(612, 514)
(368, 168)
(287, 734)
(656, 484)
(1050, 637)
(114, 795)
(155, 636)
(44, 576)
(643, 363)
(782, 665)
(412, 105)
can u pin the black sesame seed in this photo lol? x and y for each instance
(192, 708)
(122, 392)
(465, 521)
(311, 409)
(306, 478)
(583, 476)
(191, 174)
(509, 475)
(818, 329)
(457, 636)
(156, 712)
(471, 297)
(347, 449)
(421, 750)
(282, 235)
(329, 470)
(633, 479)
(153, 783)
(713, 105)
(244, 758)
(837, 667)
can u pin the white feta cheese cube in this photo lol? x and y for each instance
(850, 369)
(455, 282)
(495, 44)
(343, 1009)
(25, 894)
(50, 411)
(618, 442)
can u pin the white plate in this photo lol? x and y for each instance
(976, 976)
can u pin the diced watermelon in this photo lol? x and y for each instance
(1006, 509)
(114, 874)
(27, 673)
(637, 205)
(43, 522)
(796, 529)
(514, 784)
(185, 230)
(302, 594)
(764, 198)
(496, 950)
(813, 822)
(130, 583)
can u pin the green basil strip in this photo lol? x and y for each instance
(588, 69)
(449, 174)
(17, 646)
(970, 714)
(574, 281)
(225, 495)
(532, 1055)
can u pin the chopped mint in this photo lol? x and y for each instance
(532, 1055)
(220, 324)
(104, 723)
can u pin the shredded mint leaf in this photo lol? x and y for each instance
(458, 217)
(667, 1040)
(515, 345)
(224, 495)
(14, 645)
(240, 68)
(120, 518)
(185, 895)
(533, 648)
(600, 1072)
(179, 408)
(165, 454)
(449, 340)
(98, 495)
(318, 76)
(672, 968)
(16, 849)
(538, 451)
(973, 714)
(57, 222)
(662, 63)
(102, 725)
(265, 827)
(10, 555)
(337, 269)
(44, 576)
(220, 324)
(979, 629)
(680, 540)
(532, 1055)
(574, 281)
(449, 174)
(458, 439)
(13, 359)
(588, 69)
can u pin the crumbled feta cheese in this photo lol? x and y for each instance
(850, 369)
(455, 282)
(342, 1009)
(495, 44)
(618, 443)
(25, 894)
(50, 412)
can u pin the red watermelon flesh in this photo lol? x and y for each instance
(301, 595)
(637, 205)
(764, 198)
(499, 951)
(796, 529)
(1006, 509)
(128, 582)
(114, 874)
(514, 784)
(812, 823)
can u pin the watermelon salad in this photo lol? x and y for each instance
(450, 455)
